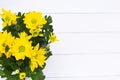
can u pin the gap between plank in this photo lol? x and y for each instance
(101, 76)
(94, 53)
(91, 32)
(81, 13)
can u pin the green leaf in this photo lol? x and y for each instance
(49, 19)
(37, 75)
(48, 54)
(13, 77)
(19, 13)
(1, 72)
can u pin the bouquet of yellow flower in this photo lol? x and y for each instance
(25, 44)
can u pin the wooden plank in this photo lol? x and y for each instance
(80, 44)
(76, 78)
(96, 78)
(86, 22)
(89, 78)
(63, 5)
(83, 66)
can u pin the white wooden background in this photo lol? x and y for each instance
(89, 34)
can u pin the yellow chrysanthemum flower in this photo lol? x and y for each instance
(6, 39)
(38, 57)
(17, 71)
(53, 38)
(22, 75)
(8, 17)
(34, 20)
(22, 47)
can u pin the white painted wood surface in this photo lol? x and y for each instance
(86, 22)
(89, 33)
(87, 43)
(83, 65)
(63, 6)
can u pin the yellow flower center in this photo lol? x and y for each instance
(3, 44)
(22, 75)
(21, 49)
(34, 21)
(17, 71)
(7, 18)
